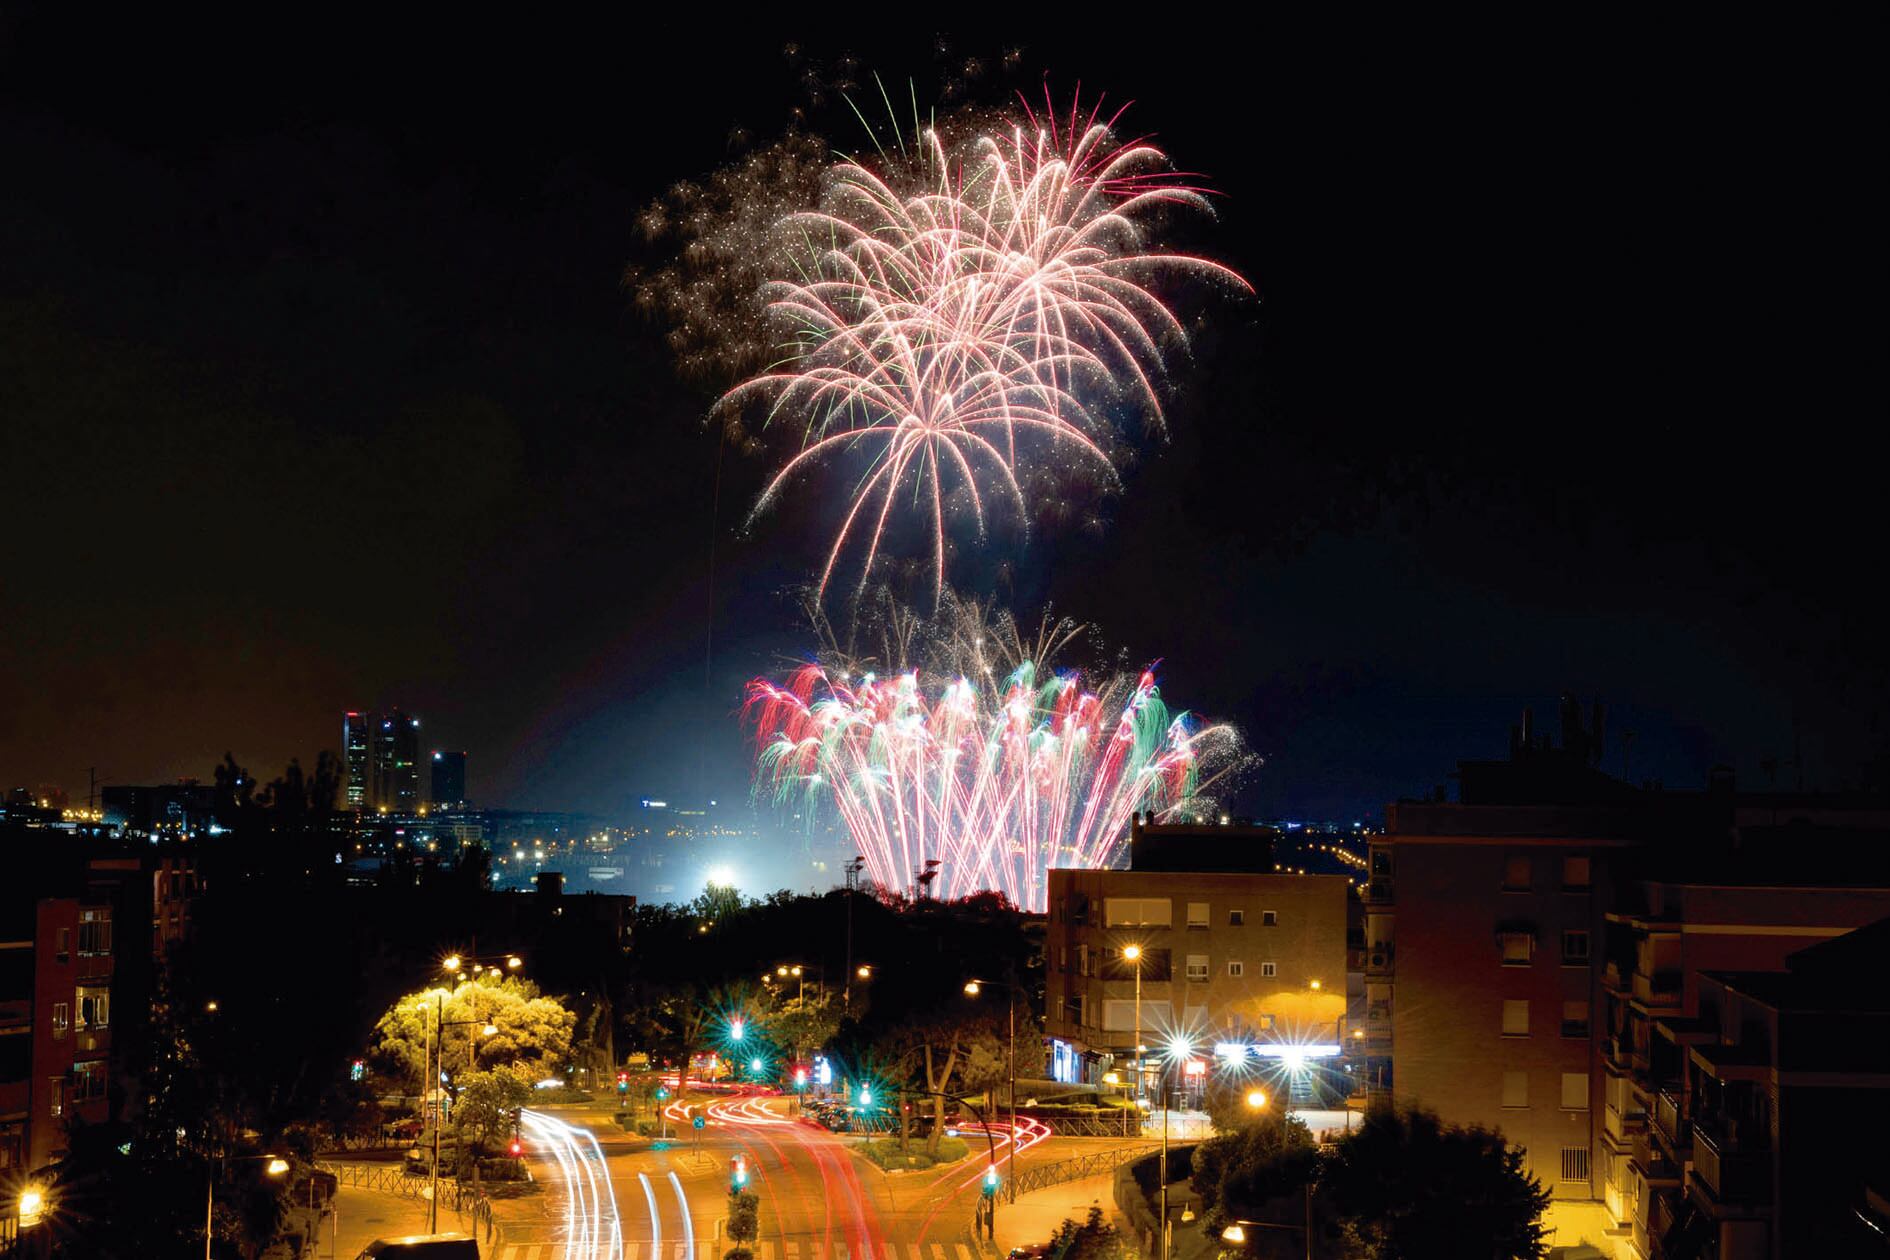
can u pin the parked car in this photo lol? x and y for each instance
(422, 1247)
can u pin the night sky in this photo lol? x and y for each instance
(319, 388)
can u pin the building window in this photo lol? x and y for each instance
(95, 1007)
(1197, 968)
(1138, 912)
(88, 1080)
(1574, 1019)
(1197, 914)
(1119, 1015)
(1269, 918)
(95, 933)
(1518, 947)
(1575, 1091)
(1575, 949)
(1236, 918)
(61, 1020)
(1269, 970)
(1236, 969)
(1515, 1089)
(1063, 959)
(1063, 912)
(1079, 909)
(65, 944)
(1575, 1163)
(1082, 960)
(1515, 1017)
(1516, 873)
(1264, 1023)
(1575, 873)
(57, 1107)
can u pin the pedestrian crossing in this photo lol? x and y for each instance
(767, 1249)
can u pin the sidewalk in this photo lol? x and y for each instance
(1035, 1216)
(365, 1215)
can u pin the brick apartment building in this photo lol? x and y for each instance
(80, 939)
(1532, 945)
(1232, 953)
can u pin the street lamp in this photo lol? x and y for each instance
(1132, 954)
(275, 1166)
(973, 987)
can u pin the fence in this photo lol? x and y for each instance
(1094, 1126)
(394, 1179)
(1038, 1176)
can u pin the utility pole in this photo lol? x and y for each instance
(853, 883)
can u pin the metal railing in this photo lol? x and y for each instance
(395, 1179)
(1039, 1176)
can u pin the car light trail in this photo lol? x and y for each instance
(688, 1225)
(656, 1221)
(592, 1228)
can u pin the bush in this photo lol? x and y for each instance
(885, 1152)
(744, 1217)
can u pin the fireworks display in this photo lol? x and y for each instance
(966, 318)
(995, 778)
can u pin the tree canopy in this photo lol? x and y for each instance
(532, 1038)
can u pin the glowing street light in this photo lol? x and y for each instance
(1257, 1099)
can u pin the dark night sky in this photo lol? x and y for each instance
(318, 389)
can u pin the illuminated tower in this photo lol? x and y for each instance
(357, 760)
(449, 779)
(397, 762)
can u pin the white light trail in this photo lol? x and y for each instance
(688, 1226)
(656, 1222)
(592, 1228)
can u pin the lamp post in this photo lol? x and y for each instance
(1235, 1233)
(454, 965)
(973, 987)
(276, 1167)
(1132, 954)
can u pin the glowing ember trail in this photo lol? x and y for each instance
(996, 784)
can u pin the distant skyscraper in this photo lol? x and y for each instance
(397, 763)
(449, 779)
(358, 760)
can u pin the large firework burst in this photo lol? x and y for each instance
(995, 778)
(972, 318)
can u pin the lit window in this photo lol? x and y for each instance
(1197, 914)
(1574, 1019)
(1515, 1089)
(1518, 947)
(61, 1019)
(1516, 1017)
(58, 1104)
(95, 1007)
(95, 933)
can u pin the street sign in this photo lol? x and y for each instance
(698, 1123)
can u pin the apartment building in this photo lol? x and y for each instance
(1785, 1091)
(1231, 956)
(1483, 924)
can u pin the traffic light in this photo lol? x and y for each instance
(737, 1173)
(623, 1082)
(991, 1179)
(517, 1148)
(736, 1029)
(800, 1078)
(662, 1093)
(866, 1096)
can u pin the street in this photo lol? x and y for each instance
(622, 1196)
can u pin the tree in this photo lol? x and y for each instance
(744, 1223)
(1092, 1240)
(1253, 1172)
(486, 1104)
(1406, 1186)
(533, 1034)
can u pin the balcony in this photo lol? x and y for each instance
(1378, 892)
(1730, 1173)
(1379, 959)
(1662, 989)
(1670, 1123)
